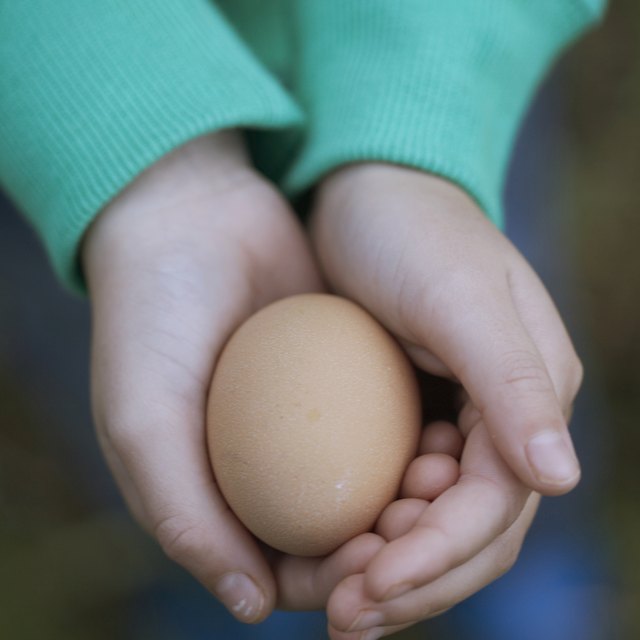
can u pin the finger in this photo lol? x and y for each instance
(348, 620)
(350, 608)
(399, 518)
(370, 634)
(441, 437)
(150, 376)
(186, 514)
(492, 354)
(461, 310)
(426, 360)
(542, 320)
(488, 495)
(200, 533)
(429, 476)
(306, 583)
(344, 606)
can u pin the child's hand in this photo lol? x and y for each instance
(421, 256)
(444, 567)
(307, 583)
(174, 264)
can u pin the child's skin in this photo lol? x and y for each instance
(198, 243)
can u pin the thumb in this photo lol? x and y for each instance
(493, 356)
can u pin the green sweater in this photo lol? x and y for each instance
(93, 92)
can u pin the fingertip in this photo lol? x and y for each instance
(441, 436)
(554, 490)
(429, 476)
(357, 552)
(386, 576)
(345, 602)
(400, 517)
(306, 583)
(369, 544)
(553, 462)
(223, 556)
(243, 598)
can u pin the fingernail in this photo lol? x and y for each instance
(367, 619)
(240, 594)
(397, 590)
(552, 458)
(372, 634)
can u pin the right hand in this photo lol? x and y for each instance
(421, 256)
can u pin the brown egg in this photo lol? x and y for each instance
(313, 417)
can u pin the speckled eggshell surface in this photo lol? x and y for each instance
(313, 417)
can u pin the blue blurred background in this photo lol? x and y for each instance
(73, 564)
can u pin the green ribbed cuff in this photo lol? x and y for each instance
(440, 86)
(94, 92)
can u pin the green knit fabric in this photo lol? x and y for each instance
(437, 85)
(92, 93)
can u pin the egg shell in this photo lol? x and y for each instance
(313, 416)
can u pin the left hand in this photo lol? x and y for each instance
(416, 252)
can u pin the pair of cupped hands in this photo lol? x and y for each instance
(199, 242)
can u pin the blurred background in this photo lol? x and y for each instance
(74, 566)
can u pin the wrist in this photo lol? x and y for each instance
(165, 208)
(360, 177)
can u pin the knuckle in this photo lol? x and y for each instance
(576, 375)
(180, 538)
(570, 379)
(522, 370)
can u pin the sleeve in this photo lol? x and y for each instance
(92, 93)
(435, 85)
